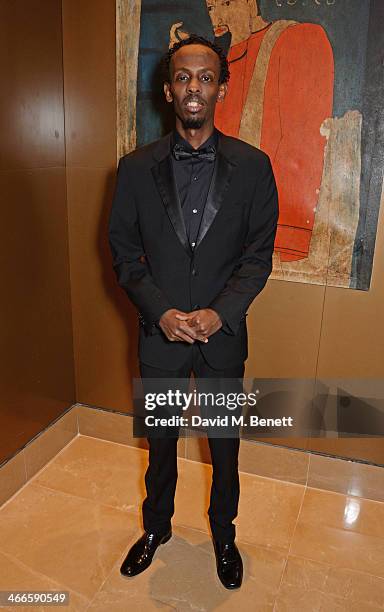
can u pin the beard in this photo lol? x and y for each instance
(192, 123)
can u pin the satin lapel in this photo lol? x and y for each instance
(166, 184)
(221, 179)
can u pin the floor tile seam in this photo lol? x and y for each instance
(206, 533)
(53, 459)
(296, 521)
(351, 497)
(338, 567)
(287, 482)
(338, 598)
(102, 584)
(253, 579)
(264, 547)
(280, 583)
(106, 441)
(39, 574)
(276, 549)
(308, 470)
(87, 499)
(166, 603)
(289, 548)
(256, 579)
(270, 478)
(178, 524)
(37, 474)
(173, 607)
(368, 499)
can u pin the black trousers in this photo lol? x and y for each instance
(161, 475)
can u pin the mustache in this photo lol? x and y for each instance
(193, 98)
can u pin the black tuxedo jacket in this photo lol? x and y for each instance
(227, 268)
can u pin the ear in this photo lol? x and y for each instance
(223, 87)
(167, 92)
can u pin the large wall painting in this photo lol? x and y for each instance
(306, 86)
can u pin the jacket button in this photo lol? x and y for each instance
(194, 272)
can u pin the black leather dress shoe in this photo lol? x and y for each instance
(141, 554)
(229, 564)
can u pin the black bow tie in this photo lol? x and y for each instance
(208, 153)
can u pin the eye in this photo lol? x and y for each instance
(180, 77)
(206, 77)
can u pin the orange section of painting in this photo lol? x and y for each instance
(298, 97)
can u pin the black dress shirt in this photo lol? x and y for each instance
(193, 178)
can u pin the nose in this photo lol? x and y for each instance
(194, 85)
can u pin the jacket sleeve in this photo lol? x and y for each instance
(255, 265)
(128, 254)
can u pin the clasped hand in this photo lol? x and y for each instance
(179, 326)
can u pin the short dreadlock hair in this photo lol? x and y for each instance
(194, 39)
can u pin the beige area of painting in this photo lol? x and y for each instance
(252, 115)
(127, 48)
(337, 211)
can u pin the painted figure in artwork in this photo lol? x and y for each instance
(280, 93)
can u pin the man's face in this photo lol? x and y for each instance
(231, 16)
(194, 85)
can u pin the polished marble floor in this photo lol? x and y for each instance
(70, 527)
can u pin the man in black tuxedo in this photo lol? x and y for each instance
(191, 231)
